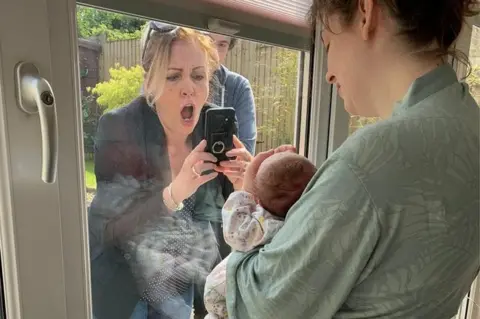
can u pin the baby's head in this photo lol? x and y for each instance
(281, 180)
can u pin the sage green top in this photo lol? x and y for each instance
(388, 227)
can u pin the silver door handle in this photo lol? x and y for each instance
(35, 95)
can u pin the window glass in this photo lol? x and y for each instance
(131, 155)
(474, 78)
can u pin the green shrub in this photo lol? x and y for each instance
(123, 86)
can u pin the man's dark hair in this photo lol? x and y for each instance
(233, 42)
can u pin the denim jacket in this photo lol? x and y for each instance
(234, 90)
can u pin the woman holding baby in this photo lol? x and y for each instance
(158, 191)
(388, 227)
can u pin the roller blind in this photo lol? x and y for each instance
(292, 12)
(279, 22)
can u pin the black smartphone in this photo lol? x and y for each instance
(220, 126)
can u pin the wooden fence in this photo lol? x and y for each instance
(274, 86)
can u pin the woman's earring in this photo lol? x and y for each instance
(150, 100)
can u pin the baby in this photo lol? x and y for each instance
(253, 216)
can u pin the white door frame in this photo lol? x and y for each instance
(42, 226)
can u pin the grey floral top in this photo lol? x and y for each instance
(388, 227)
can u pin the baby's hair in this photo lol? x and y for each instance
(281, 181)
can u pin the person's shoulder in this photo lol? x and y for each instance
(357, 140)
(126, 112)
(373, 144)
(123, 118)
(234, 79)
(452, 108)
(406, 141)
(231, 73)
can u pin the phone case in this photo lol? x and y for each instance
(220, 126)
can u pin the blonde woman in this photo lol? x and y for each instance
(150, 232)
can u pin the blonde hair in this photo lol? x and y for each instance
(157, 48)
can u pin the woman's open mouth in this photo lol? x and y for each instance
(187, 112)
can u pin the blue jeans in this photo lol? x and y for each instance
(179, 307)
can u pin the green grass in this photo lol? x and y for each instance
(90, 181)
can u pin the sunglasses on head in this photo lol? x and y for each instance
(157, 27)
(161, 28)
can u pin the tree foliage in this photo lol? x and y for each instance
(93, 22)
(90, 120)
(122, 87)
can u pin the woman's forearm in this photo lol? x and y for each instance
(131, 217)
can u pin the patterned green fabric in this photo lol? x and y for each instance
(388, 228)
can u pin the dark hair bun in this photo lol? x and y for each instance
(423, 22)
(431, 21)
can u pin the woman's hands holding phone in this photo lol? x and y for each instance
(190, 177)
(235, 169)
(198, 161)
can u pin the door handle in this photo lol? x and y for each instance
(35, 96)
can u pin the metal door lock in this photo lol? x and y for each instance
(35, 95)
(47, 97)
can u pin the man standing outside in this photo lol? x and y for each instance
(235, 91)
